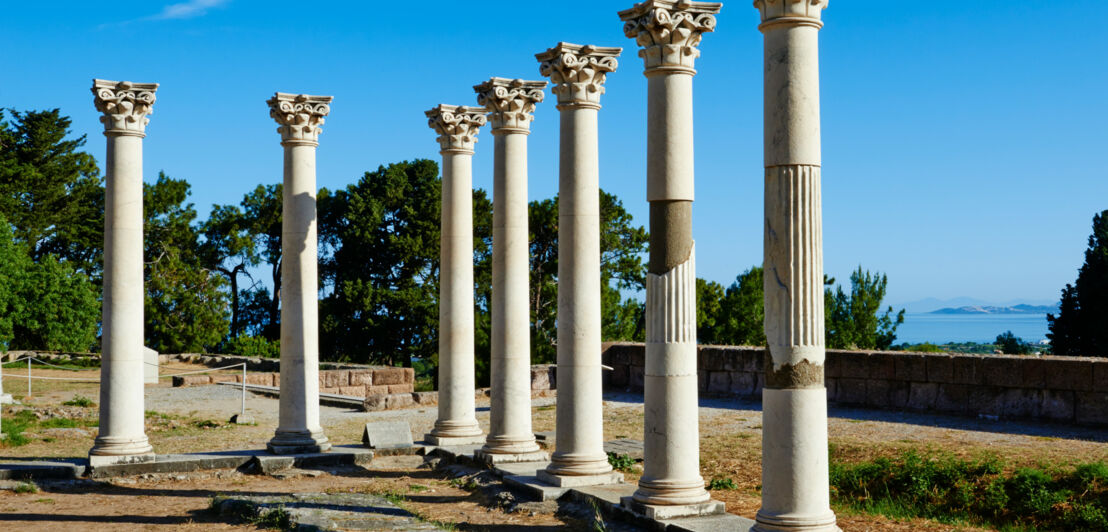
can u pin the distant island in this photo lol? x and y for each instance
(984, 309)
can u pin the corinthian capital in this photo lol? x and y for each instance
(299, 116)
(791, 12)
(510, 102)
(669, 31)
(578, 72)
(457, 126)
(124, 105)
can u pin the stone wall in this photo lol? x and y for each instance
(362, 382)
(1062, 389)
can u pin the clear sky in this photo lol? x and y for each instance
(964, 144)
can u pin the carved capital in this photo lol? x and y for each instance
(299, 116)
(669, 31)
(125, 106)
(578, 72)
(457, 126)
(791, 12)
(510, 102)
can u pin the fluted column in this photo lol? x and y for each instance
(669, 33)
(794, 402)
(299, 117)
(511, 104)
(578, 73)
(122, 436)
(457, 126)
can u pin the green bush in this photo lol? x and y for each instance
(621, 462)
(252, 346)
(722, 484)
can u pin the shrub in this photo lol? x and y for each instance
(722, 484)
(620, 462)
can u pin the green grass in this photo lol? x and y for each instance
(15, 425)
(26, 487)
(957, 491)
(73, 363)
(718, 484)
(79, 400)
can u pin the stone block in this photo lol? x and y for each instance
(616, 354)
(332, 391)
(832, 365)
(376, 390)
(1100, 375)
(619, 376)
(540, 377)
(387, 435)
(1076, 375)
(852, 391)
(216, 379)
(732, 358)
(374, 403)
(877, 392)
(1034, 372)
(909, 367)
(702, 380)
(400, 388)
(922, 395)
(352, 391)
(753, 360)
(710, 358)
(940, 368)
(1001, 371)
(400, 400)
(385, 376)
(1058, 405)
(1092, 408)
(192, 380)
(881, 365)
(759, 384)
(361, 377)
(425, 398)
(898, 394)
(965, 369)
(832, 385)
(1016, 403)
(719, 382)
(638, 355)
(637, 378)
(150, 366)
(743, 382)
(954, 398)
(259, 379)
(852, 364)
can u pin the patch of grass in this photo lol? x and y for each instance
(953, 490)
(45, 501)
(621, 462)
(206, 424)
(719, 484)
(417, 488)
(79, 400)
(275, 519)
(26, 487)
(545, 408)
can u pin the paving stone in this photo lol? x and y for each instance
(387, 435)
(325, 512)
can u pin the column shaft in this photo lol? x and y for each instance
(795, 493)
(457, 422)
(122, 421)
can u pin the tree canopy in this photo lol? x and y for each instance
(1081, 326)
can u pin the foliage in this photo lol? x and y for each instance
(1081, 326)
(950, 489)
(718, 484)
(709, 315)
(854, 321)
(621, 462)
(251, 346)
(79, 400)
(50, 191)
(1011, 344)
(925, 347)
(743, 310)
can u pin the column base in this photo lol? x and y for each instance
(109, 450)
(298, 442)
(493, 458)
(447, 433)
(577, 481)
(779, 523)
(447, 441)
(673, 511)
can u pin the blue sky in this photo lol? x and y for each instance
(964, 144)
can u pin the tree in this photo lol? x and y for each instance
(1011, 344)
(50, 191)
(228, 248)
(853, 321)
(709, 315)
(742, 309)
(1081, 326)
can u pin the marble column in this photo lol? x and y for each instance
(578, 73)
(457, 126)
(122, 437)
(671, 486)
(299, 117)
(794, 402)
(511, 107)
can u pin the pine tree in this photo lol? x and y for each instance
(1081, 326)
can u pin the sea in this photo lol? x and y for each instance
(981, 328)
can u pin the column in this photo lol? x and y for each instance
(578, 73)
(510, 104)
(122, 437)
(794, 402)
(299, 117)
(671, 486)
(457, 126)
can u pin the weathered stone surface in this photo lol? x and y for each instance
(261, 379)
(636, 377)
(881, 365)
(832, 365)
(1001, 371)
(387, 435)
(921, 395)
(877, 392)
(388, 376)
(1058, 405)
(1034, 373)
(353, 391)
(216, 379)
(1100, 375)
(192, 380)
(1076, 375)
(376, 390)
(334, 378)
(743, 383)
(361, 377)
(400, 400)
(954, 398)
(719, 382)
(425, 398)
(965, 369)
(619, 377)
(852, 391)
(375, 403)
(1092, 408)
(853, 364)
(909, 367)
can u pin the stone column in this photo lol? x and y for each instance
(122, 436)
(457, 126)
(671, 486)
(299, 117)
(794, 402)
(578, 73)
(511, 104)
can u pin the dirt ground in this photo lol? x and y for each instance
(195, 419)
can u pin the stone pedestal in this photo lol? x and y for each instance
(578, 73)
(671, 486)
(457, 127)
(511, 104)
(299, 117)
(150, 366)
(122, 436)
(795, 493)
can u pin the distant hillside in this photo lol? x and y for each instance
(985, 309)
